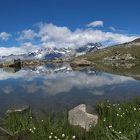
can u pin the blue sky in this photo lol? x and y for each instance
(117, 17)
(19, 14)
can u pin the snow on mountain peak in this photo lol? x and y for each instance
(53, 53)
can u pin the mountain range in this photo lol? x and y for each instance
(90, 51)
(48, 53)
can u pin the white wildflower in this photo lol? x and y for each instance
(73, 137)
(31, 130)
(110, 126)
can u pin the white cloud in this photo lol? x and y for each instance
(7, 73)
(96, 24)
(112, 28)
(4, 36)
(4, 51)
(26, 35)
(24, 48)
(7, 89)
(50, 35)
(64, 82)
(51, 32)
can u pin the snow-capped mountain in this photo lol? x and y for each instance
(90, 47)
(54, 53)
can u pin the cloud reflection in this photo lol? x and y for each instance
(51, 84)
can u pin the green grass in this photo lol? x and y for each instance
(112, 51)
(117, 121)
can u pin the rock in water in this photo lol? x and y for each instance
(20, 111)
(79, 116)
(81, 63)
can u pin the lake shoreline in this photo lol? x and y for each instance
(114, 123)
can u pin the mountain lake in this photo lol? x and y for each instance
(57, 88)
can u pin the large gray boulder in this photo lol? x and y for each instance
(78, 116)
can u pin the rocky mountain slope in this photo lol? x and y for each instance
(123, 52)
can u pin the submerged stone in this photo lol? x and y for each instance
(78, 116)
(20, 110)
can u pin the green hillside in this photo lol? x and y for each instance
(126, 52)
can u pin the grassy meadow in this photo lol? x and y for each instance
(117, 121)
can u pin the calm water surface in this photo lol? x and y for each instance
(55, 88)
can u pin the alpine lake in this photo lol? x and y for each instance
(55, 88)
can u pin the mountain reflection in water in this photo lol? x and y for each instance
(54, 88)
